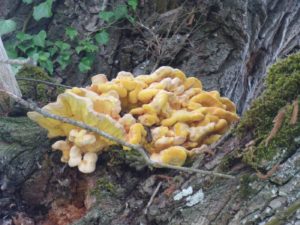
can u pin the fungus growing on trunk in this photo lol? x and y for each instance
(179, 115)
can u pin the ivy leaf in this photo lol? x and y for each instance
(78, 49)
(86, 63)
(25, 42)
(64, 59)
(53, 50)
(62, 45)
(44, 56)
(102, 37)
(27, 1)
(23, 37)
(43, 10)
(11, 50)
(107, 16)
(25, 47)
(71, 33)
(86, 45)
(133, 4)
(40, 38)
(7, 26)
(43, 59)
(120, 12)
(35, 56)
(48, 65)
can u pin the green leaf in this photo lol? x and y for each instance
(25, 46)
(71, 33)
(45, 61)
(78, 49)
(43, 10)
(62, 45)
(48, 65)
(23, 37)
(40, 38)
(133, 4)
(107, 16)
(86, 64)
(27, 1)
(64, 59)
(53, 50)
(102, 37)
(86, 45)
(35, 56)
(7, 26)
(120, 12)
(11, 50)
(44, 56)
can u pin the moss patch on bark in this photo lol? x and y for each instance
(282, 87)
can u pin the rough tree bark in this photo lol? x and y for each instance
(229, 45)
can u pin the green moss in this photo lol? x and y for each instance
(245, 188)
(229, 160)
(282, 87)
(39, 92)
(103, 188)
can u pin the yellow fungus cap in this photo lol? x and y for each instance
(175, 156)
(137, 134)
(192, 82)
(229, 105)
(182, 116)
(212, 139)
(146, 95)
(103, 88)
(64, 147)
(207, 100)
(198, 133)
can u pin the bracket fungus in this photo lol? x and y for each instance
(173, 109)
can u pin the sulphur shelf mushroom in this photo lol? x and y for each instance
(166, 105)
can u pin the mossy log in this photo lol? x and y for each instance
(23, 144)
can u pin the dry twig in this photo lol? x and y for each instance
(17, 61)
(268, 174)
(295, 112)
(278, 120)
(152, 197)
(137, 148)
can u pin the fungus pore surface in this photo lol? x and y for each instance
(166, 105)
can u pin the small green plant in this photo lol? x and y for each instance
(42, 10)
(51, 54)
(7, 26)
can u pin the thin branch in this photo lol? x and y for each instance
(104, 5)
(295, 112)
(137, 148)
(269, 173)
(43, 82)
(152, 197)
(18, 61)
(278, 120)
(191, 170)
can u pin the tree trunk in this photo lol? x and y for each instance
(229, 45)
